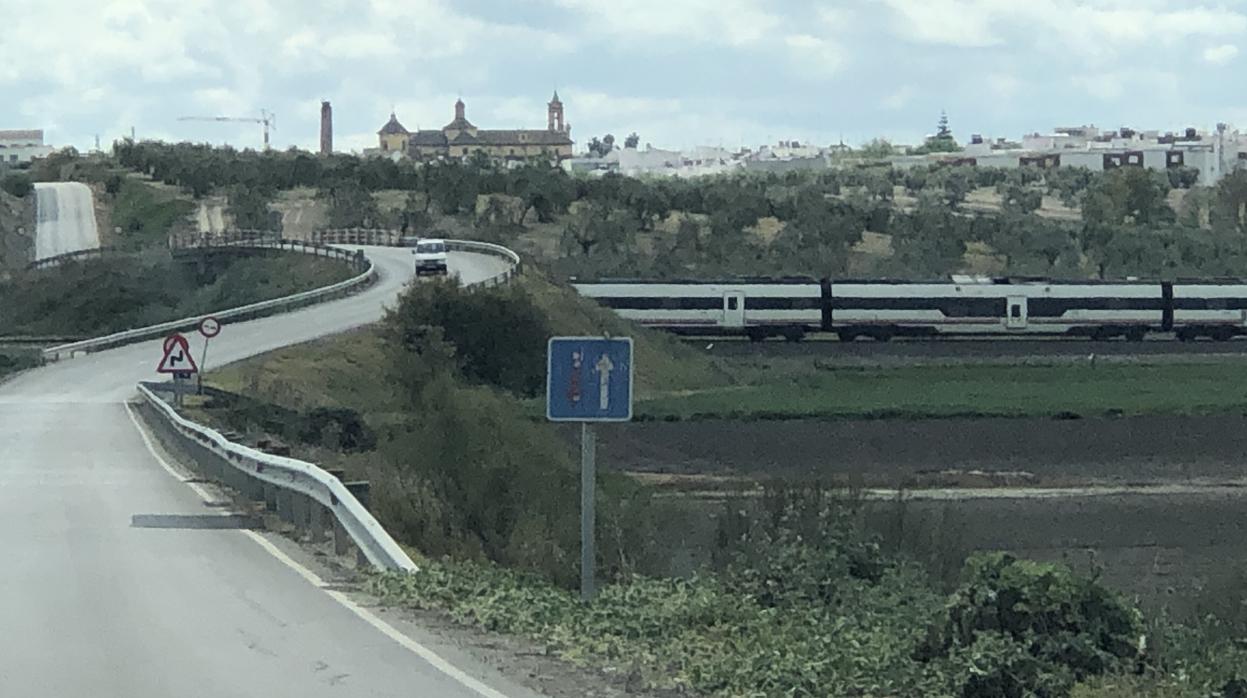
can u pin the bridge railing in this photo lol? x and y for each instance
(383, 237)
(76, 256)
(299, 492)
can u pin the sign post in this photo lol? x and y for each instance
(209, 327)
(177, 360)
(588, 379)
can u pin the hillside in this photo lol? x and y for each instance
(17, 230)
(118, 293)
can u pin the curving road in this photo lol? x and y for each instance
(116, 583)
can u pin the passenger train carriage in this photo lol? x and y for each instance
(881, 310)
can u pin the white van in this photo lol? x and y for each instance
(430, 257)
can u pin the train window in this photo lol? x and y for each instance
(731, 302)
(1015, 310)
(1217, 304)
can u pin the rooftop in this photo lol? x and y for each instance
(35, 134)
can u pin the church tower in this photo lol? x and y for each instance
(554, 114)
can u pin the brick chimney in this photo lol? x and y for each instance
(326, 128)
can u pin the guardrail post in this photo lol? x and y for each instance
(341, 541)
(270, 497)
(363, 493)
(285, 505)
(299, 511)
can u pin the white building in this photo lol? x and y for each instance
(1214, 154)
(702, 160)
(20, 146)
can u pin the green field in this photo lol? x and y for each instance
(949, 391)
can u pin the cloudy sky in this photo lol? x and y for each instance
(679, 72)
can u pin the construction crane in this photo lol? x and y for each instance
(268, 120)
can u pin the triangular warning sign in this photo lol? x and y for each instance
(177, 358)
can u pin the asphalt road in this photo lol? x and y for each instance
(119, 581)
(968, 348)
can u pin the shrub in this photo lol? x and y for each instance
(498, 335)
(18, 184)
(1019, 628)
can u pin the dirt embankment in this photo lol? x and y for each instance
(17, 231)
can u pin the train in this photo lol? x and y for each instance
(962, 306)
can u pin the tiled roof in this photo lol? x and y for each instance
(428, 138)
(22, 135)
(392, 127)
(500, 137)
(460, 123)
(523, 137)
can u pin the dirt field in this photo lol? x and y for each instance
(1182, 548)
(1149, 449)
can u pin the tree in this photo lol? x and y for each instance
(632, 140)
(957, 183)
(350, 206)
(599, 148)
(876, 149)
(249, 207)
(17, 184)
(1128, 195)
(595, 228)
(1229, 212)
(942, 141)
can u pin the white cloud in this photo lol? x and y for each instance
(730, 22)
(952, 22)
(900, 98)
(1088, 28)
(1220, 55)
(814, 56)
(1003, 85)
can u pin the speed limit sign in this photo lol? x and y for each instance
(210, 327)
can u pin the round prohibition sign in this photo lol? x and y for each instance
(210, 327)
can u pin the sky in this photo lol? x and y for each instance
(680, 73)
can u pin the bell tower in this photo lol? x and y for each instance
(554, 114)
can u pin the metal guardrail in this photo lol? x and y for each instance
(255, 474)
(513, 269)
(246, 312)
(385, 237)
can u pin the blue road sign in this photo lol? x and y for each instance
(589, 379)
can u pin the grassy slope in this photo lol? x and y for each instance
(146, 213)
(343, 370)
(982, 390)
(116, 294)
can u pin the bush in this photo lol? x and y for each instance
(18, 184)
(497, 335)
(1020, 628)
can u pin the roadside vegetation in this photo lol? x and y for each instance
(795, 597)
(435, 406)
(118, 293)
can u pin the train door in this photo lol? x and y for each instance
(733, 309)
(1015, 308)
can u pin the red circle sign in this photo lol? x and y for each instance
(210, 327)
(170, 340)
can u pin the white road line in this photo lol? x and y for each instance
(314, 579)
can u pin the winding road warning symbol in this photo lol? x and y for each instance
(177, 358)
